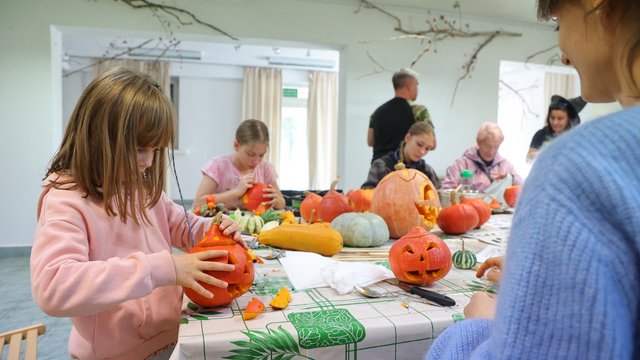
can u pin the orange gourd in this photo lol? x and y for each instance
(457, 218)
(333, 204)
(254, 197)
(481, 207)
(361, 199)
(239, 280)
(420, 257)
(254, 307)
(406, 198)
(511, 195)
(309, 207)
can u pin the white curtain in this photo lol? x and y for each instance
(322, 129)
(262, 100)
(558, 84)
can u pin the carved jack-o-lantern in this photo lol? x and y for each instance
(406, 198)
(239, 280)
(420, 257)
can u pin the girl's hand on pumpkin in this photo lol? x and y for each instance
(231, 229)
(492, 267)
(190, 268)
(274, 196)
(481, 306)
(245, 182)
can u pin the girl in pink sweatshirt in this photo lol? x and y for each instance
(102, 247)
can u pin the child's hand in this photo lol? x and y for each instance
(244, 183)
(272, 194)
(481, 306)
(230, 228)
(190, 268)
(493, 268)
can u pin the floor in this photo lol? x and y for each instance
(18, 310)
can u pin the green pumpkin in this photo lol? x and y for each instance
(361, 229)
(464, 259)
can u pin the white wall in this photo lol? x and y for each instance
(26, 92)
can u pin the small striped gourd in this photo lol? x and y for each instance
(464, 259)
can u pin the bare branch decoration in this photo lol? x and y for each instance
(439, 29)
(177, 13)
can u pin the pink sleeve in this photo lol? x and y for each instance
(270, 174)
(179, 229)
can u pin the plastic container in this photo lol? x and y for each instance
(466, 180)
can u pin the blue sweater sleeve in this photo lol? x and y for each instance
(463, 338)
(572, 272)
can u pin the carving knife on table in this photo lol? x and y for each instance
(424, 293)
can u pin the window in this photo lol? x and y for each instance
(294, 168)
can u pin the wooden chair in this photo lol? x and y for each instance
(14, 340)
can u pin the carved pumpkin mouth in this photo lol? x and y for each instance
(428, 213)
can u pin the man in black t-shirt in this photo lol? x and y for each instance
(391, 121)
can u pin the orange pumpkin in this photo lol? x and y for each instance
(457, 218)
(333, 204)
(406, 198)
(254, 196)
(420, 257)
(481, 207)
(309, 207)
(511, 194)
(361, 199)
(239, 280)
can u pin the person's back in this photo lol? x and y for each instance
(390, 122)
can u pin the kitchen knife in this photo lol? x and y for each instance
(424, 293)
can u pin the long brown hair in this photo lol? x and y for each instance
(252, 131)
(623, 15)
(120, 112)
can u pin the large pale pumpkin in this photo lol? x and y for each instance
(239, 280)
(420, 257)
(406, 198)
(361, 229)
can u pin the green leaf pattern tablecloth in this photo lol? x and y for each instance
(321, 324)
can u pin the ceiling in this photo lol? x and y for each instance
(521, 11)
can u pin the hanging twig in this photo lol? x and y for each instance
(525, 104)
(375, 71)
(112, 57)
(177, 13)
(439, 29)
(526, 61)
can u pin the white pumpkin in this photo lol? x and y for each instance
(361, 229)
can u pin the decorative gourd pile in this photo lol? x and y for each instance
(210, 208)
(420, 257)
(406, 198)
(249, 223)
(361, 229)
(239, 280)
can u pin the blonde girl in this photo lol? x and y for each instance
(102, 252)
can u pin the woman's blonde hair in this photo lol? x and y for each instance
(120, 112)
(252, 131)
(418, 128)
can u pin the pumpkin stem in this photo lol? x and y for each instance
(217, 219)
(313, 212)
(462, 244)
(399, 166)
(334, 183)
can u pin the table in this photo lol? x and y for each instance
(321, 324)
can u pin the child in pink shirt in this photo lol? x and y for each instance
(102, 248)
(229, 176)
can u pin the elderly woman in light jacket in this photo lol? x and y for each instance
(484, 161)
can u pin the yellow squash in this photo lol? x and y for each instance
(303, 237)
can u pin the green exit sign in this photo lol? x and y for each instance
(290, 93)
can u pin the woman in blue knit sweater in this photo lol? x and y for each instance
(571, 283)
